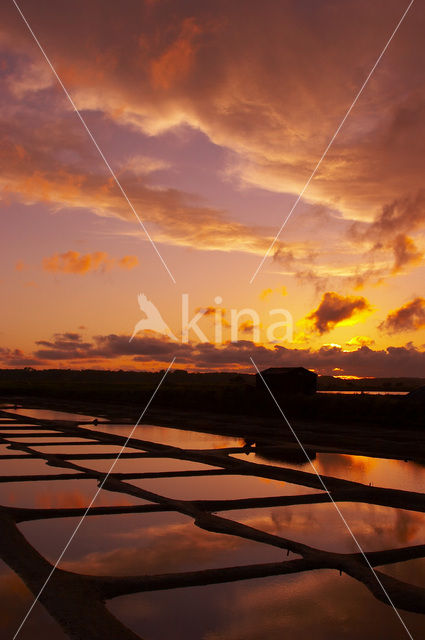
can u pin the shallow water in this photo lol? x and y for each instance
(134, 544)
(319, 604)
(225, 487)
(368, 393)
(15, 600)
(17, 431)
(5, 451)
(144, 465)
(60, 494)
(319, 525)
(29, 467)
(381, 472)
(55, 439)
(87, 449)
(182, 438)
(49, 414)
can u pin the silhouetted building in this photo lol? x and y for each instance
(288, 380)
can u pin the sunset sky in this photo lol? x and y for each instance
(213, 116)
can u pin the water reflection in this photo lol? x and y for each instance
(4, 451)
(366, 393)
(381, 472)
(85, 448)
(16, 599)
(62, 494)
(10, 431)
(226, 487)
(320, 605)
(29, 467)
(412, 571)
(142, 543)
(41, 439)
(175, 437)
(144, 465)
(375, 527)
(49, 414)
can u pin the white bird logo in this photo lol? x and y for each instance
(153, 320)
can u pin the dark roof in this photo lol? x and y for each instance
(287, 370)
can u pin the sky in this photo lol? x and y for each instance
(212, 117)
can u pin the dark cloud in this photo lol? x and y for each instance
(409, 317)
(298, 258)
(405, 252)
(63, 346)
(158, 66)
(335, 308)
(390, 226)
(401, 215)
(17, 358)
(164, 66)
(154, 352)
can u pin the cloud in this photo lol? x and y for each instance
(128, 262)
(61, 173)
(247, 326)
(400, 215)
(175, 63)
(405, 252)
(46, 157)
(20, 265)
(143, 165)
(265, 293)
(153, 352)
(335, 309)
(247, 85)
(75, 262)
(409, 317)
(406, 214)
(207, 311)
(17, 358)
(219, 317)
(64, 346)
(360, 341)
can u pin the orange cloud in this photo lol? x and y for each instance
(409, 317)
(268, 292)
(212, 311)
(247, 326)
(239, 82)
(75, 262)
(335, 309)
(179, 217)
(405, 252)
(176, 61)
(128, 262)
(21, 265)
(360, 341)
(265, 293)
